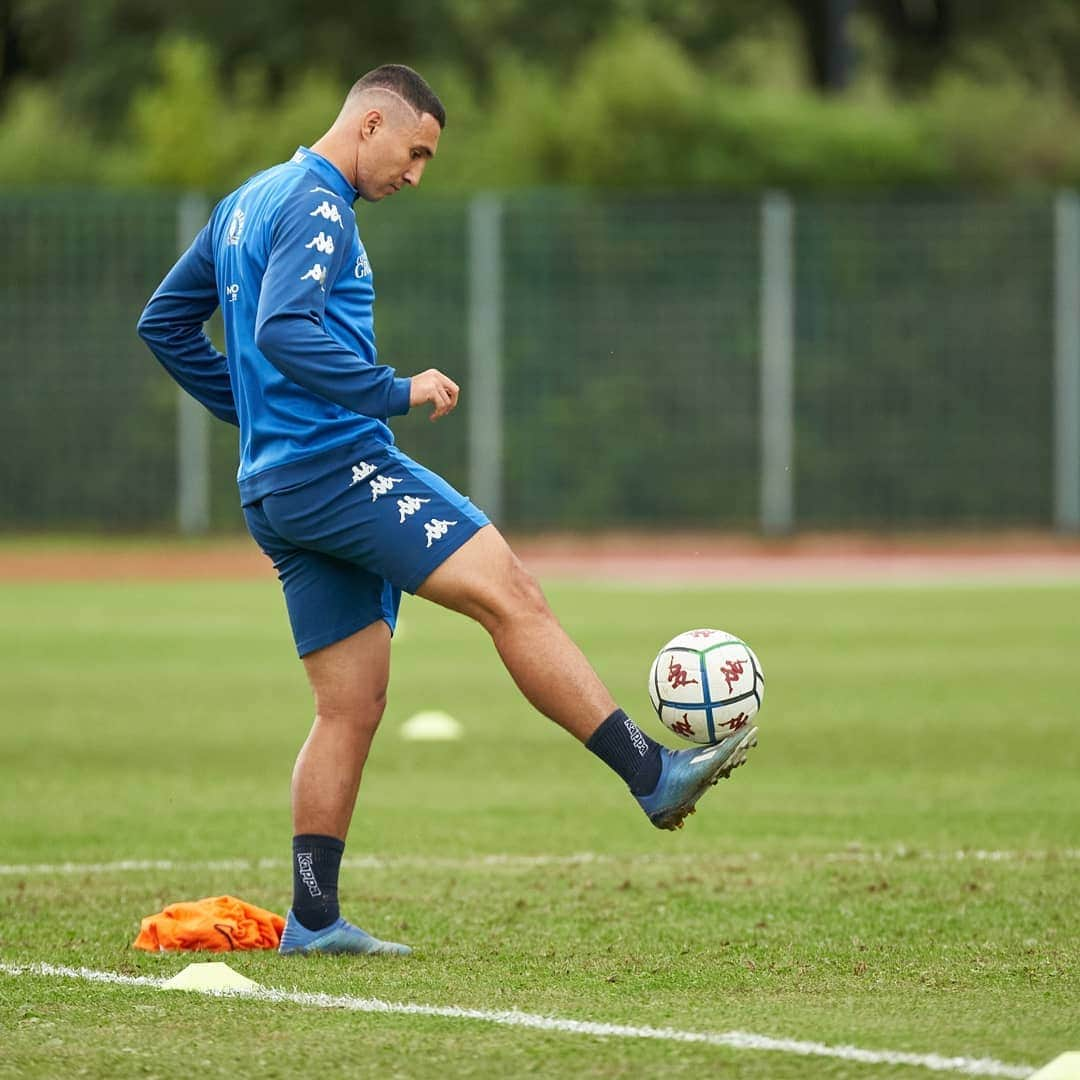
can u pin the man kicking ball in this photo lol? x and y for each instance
(348, 520)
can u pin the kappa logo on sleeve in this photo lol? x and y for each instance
(322, 243)
(328, 211)
(316, 273)
(236, 228)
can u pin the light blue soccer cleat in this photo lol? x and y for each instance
(339, 937)
(686, 774)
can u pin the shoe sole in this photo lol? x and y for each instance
(305, 951)
(675, 818)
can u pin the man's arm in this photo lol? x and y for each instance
(289, 328)
(172, 326)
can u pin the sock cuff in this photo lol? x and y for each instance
(619, 722)
(315, 840)
(625, 748)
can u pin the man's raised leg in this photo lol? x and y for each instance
(486, 581)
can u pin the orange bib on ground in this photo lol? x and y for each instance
(214, 924)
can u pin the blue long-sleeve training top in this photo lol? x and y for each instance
(282, 257)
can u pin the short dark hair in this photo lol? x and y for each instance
(406, 82)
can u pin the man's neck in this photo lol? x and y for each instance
(330, 148)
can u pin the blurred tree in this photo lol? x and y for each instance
(825, 23)
(1039, 42)
(9, 43)
(706, 93)
(98, 53)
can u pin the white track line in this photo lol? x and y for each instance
(362, 862)
(736, 1040)
(525, 862)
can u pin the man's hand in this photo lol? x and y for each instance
(432, 385)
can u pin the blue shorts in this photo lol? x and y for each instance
(347, 542)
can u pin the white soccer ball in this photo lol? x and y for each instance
(706, 684)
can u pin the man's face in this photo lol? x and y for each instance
(394, 151)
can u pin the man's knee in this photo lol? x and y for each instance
(512, 595)
(360, 710)
(525, 595)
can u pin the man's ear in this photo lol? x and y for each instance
(370, 122)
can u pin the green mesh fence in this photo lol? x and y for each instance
(630, 363)
(418, 255)
(87, 425)
(923, 354)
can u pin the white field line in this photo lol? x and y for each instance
(526, 862)
(736, 1040)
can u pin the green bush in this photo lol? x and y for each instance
(40, 144)
(637, 112)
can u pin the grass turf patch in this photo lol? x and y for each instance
(159, 721)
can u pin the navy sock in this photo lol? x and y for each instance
(620, 744)
(316, 860)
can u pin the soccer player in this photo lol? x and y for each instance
(348, 520)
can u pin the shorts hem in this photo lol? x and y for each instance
(340, 633)
(443, 552)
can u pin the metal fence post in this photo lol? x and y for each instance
(192, 420)
(777, 364)
(1067, 361)
(484, 392)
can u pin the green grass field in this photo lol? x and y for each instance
(818, 895)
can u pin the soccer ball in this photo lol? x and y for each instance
(706, 684)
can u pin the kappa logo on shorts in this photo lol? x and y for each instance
(383, 484)
(436, 529)
(361, 472)
(408, 506)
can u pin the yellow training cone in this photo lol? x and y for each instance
(211, 975)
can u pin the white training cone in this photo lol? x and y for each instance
(433, 726)
(1065, 1067)
(212, 975)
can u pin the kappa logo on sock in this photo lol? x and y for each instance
(636, 737)
(307, 875)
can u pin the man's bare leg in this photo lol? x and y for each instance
(349, 681)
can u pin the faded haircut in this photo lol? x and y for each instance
(407, 84)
